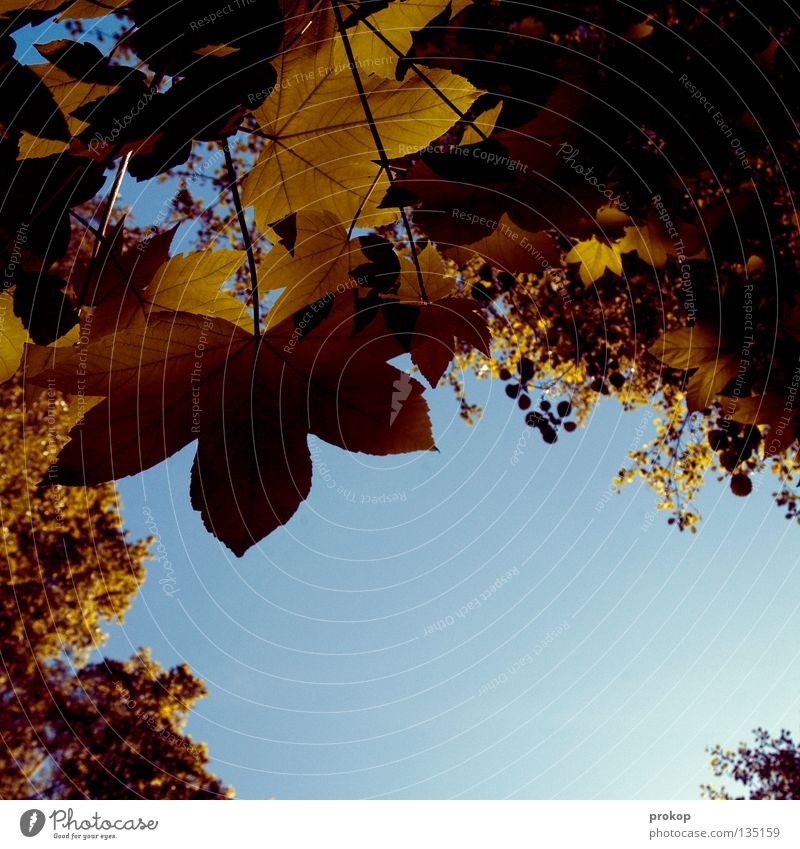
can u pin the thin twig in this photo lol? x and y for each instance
(361, 206)
(101, 237)
(420, 73)
(248, 245)
(103, 225)
(384, 159)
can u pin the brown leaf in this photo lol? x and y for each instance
(713, 358)
(438, 328)
(250, 406)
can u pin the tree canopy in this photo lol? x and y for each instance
(767, 769)
(71, 729)
(582, 199)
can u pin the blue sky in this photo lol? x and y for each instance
(598, 651)
(327, 679)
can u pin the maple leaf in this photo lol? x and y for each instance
(298, 17)
(117, 267)
(596, 258)
(319, 260)
(43, 192)
(320, 153)
(396, 23)
(505, 246)
(249, 403)
(515, 178)
(715, 361)
(654, 244)
(126, 286)
(192, 283)
(170, 37)
(651, 245)
(430, 332)
(438, 283)
(439, 327)
(146, 370)
(108, 109)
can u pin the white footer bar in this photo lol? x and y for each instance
(403, 824)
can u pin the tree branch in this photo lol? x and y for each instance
(101, 237)
(384, 159)
(420, 73)
(248, 245)
(103, 225)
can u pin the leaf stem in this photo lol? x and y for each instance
(248, 245)
(420, 73)
(361, 206)
(384, 159)
(101, 237)
(103, 225)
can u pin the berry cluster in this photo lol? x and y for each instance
(605, 372)
(736, 447)
(545, 419)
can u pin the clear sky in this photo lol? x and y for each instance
(598, 651)
(327, 679)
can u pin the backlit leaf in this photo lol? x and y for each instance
(596, 258)
(320, 263)
(320, 154)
